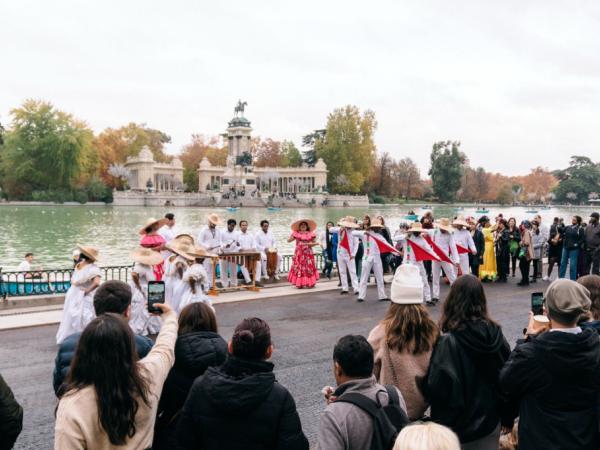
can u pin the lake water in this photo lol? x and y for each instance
(51, 232)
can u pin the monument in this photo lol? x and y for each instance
(148, 175)
(239, 175)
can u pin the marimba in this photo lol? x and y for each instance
(248, 259)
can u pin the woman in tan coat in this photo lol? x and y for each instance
(402, 342)
(525, 252)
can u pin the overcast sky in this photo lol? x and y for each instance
(518, 82)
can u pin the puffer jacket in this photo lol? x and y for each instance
(11, 417)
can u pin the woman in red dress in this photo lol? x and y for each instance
(303, 272)
(152, 240)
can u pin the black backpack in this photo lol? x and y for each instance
(388, 420)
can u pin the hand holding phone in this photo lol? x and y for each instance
(156, 294)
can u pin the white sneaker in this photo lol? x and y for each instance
(545, 278)
(276, 277)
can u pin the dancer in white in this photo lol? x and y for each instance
(195, 280)
(175, 266)
(443, 239)
(247, 244)
(167, 231)
(229, 244)
(78, 309)
(417, 250)
(141, 322)
(265, 241)
(210, 239)
(346, 252)
(371, 260)
(462, 237)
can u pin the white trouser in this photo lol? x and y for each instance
(208, 266)
(246, 273)
(263, 260)
(435, 275)
(464, 263)
(345, 266)
(375, 264)
(228, 273)
(424, 279)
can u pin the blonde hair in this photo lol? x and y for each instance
(428, 435)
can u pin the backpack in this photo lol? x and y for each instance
(388, 420)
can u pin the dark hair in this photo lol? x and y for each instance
(466, 301)
(84, 257)
(148, 229)
(197, 316)
(355, 356)
(28, 254)
(231, 221)
(409, 328)
(578, 219)
(513, 219)
(243, 221)
(169, 216)
(251, 339)
(112, 297)
(592, 284)
(305, 223)
(106, 358)
(483, 219)
(262, 222)
(503, 222)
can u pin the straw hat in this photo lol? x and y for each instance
(444, 224)
(88, 251)
(181, 248)
(185, 238)
(146, 256)
(312, 225)
(348, 222)
(151, 222)
(376, 223)
(407, 286)
(200, 252)
(460, 221)
(415, 227)
(214, 219)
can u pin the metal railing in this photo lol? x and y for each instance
(58, 281)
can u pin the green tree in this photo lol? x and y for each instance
(581, 178)
(505, 195)
(446, 169)
(348, 148)
(310, 142)
(291, 155)
(45, 149)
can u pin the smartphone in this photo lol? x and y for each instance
(156, 294)
(537, 303)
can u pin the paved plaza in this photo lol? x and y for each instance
(305, 328)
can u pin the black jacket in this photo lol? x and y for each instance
(592, 236)
(194, 353)
(11, 417)
(66, 351)
(240, 405)
(462, 381)
(573, 237)
(555, 379)
(479, 242)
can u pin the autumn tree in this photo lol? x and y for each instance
(267, 152)
(201, 146)
(348, 148)
(446, 169)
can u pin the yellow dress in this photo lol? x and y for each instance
(488, 269)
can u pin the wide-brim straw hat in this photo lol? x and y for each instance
(181, 248)
(200, 252)
(214, 219)
(151, 222)
(348, 222)
(415, 227)
(312, 225)
(90, 252)
(185, 238)
(444, 224)
(376, 223)
(146, 256)
(460, 221)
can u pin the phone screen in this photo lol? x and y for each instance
(156, 294)
(537, 303)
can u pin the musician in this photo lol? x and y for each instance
(210, 239)
(247, 244)
(371, 260)
(442, 238)
(462, 237)
(229, 244)
(345, 258)
(265, 240)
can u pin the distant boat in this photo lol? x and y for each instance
(426, 207)
(411, 217)
(482, 211)
(459, 208)
(546, 208)
(232, 209)
(532, 211)
(273, 208)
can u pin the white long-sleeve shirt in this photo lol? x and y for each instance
(409, 255)
(210, 239)
(371, 249)
(445, 241)
(230, 238)
(464, 239)
(246, 241)
(352, 240)
(264, 241)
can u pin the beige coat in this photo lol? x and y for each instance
(77, 423)
(526, 240)
(409, 368)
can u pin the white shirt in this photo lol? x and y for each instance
(445, 241)
(230, 238)
(264, 240)
(246, 241)
(464, 239)
(167, 232)
(210, 239)
(409, 255)
(25, 266)
(371, 249)
(352, 240)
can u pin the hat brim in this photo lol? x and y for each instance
(461, 223)
(87, 252)
(149, 259)
(345, 224)
(216, 220)
(312, 225)
(159, 222)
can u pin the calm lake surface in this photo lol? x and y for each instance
(51, 232)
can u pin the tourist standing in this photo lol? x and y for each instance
(303, 272)
(248, 244)
(198, 347)
(488, 271)
(195, 280)
(326, 247)
(545, 232)
(153, 240)
(555, 245)
(475, 261)
(105, 367)
(265, 243)
(210, 239)
(573, 239)
(502, 250)
(78, 309)
(514, 236)
(463, 237)
(538, 240)
(229, 244)
(592, 245)
(553, 377)
(462, 382)
(402, 342)
(240, 405)
(26, 266)
(372, 260)
(443, 239)
(525, 252)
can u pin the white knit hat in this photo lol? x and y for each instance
(407, 286)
